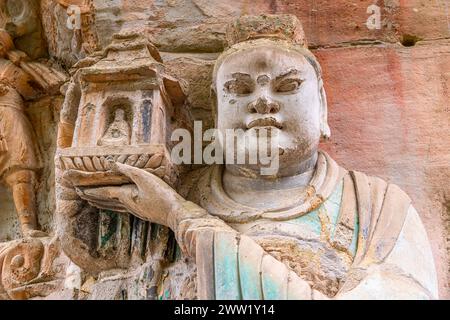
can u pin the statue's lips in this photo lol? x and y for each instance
(265, 122)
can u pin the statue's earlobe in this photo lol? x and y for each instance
(325, 131)
(324, 127)
(213, 97)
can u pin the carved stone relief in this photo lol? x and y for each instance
(26, 265)
(129, 223)
(121, 107)
(336, 234)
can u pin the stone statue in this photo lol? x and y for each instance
(32, 265)
(120, 105)
(18, 160)
(312, 231)
(118, 132)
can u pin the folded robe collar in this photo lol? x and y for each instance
(214, 199)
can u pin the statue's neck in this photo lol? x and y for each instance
(248, 187)
(285, 172)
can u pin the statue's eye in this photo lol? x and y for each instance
(288, 85)
(238, 87)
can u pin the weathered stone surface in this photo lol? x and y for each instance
(69, 44)
(398, 104)
(21, 79)
(388, 93)
(199, 25)
(395, 116)
(196, 70)
(21, 19)
(31, 267)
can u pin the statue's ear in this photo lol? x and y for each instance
(213, 97)
(324, 127)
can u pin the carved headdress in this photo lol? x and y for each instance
(276, 27)
(286, 32)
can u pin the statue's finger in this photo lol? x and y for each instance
(103, 198)
(108, 206)
(100, 193)
(140, 177)
(70, 176)
(96, 193)
(128, 193)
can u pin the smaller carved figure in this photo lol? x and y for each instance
(18, 160)
(118, 132)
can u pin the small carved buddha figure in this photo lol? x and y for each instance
(118, 132)
(313, 230)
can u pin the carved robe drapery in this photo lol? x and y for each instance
(372, 223)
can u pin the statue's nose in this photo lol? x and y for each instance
(263, 106)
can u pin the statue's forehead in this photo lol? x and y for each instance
(263, 59)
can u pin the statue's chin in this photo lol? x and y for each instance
(275, 148)
(269, 136)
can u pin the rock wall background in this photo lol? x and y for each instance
(388, 89)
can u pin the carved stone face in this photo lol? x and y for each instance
(19, 17)
(269, 86)
(119, 115)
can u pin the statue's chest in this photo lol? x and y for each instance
(309, 245)
(315, 260)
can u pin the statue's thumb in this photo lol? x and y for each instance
(138, 176)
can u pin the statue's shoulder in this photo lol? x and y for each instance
(376, 188)
(391, 230)
(382, 211)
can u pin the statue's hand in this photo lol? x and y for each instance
(149, 198)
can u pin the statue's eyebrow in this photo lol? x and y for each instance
(241, 76)
(241, 83)
(290, 72)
